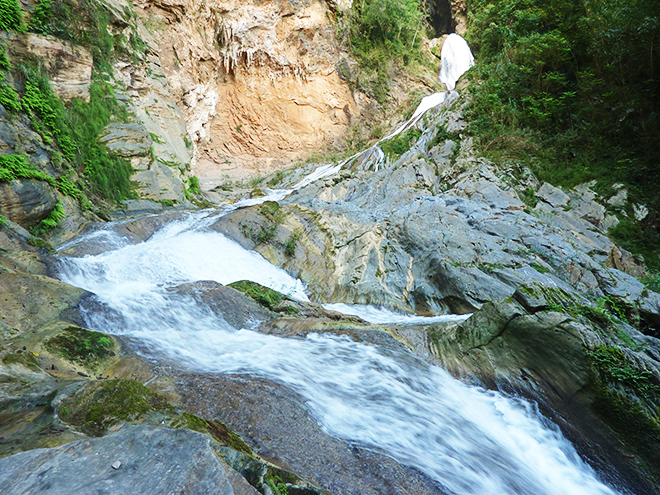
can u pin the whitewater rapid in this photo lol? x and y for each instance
(469, 440)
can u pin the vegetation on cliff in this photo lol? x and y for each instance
(569, 88)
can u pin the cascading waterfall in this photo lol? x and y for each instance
(470, 441)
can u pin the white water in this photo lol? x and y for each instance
(469, 440)
(383, 316)
(456, 59)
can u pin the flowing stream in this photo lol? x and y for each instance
(469, 440)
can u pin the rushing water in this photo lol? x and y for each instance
(469, 440)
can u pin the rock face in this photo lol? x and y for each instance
(142, 459)
(256, 80)
(69, 66)
(26, 201)
(438, 229)
(562, 361)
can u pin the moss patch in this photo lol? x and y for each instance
(101, 404)
(82, 346)
(23, 358)
(266, 297)
(216, 429)
(626, 398)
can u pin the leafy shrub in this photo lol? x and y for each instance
(193, 184)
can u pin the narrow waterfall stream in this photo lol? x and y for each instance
(469, 440)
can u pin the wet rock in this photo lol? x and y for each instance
(154, 461)
(274, 421)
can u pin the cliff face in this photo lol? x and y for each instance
(256, 81)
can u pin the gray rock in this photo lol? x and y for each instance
(26, 202)
(552, 195)
(153, 461)
(126, 139)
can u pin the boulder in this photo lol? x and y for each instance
(26, 202)
(136, 459)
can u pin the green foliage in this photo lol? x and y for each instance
(83, 23)
(50, 222)
(11, 16)
(9, 98)
(263, 295)
(652, 281)
(568, 87)
(109, 174)
(3, 220)
(277, 486)
(384, 35)
(277, 178)
(82, 346)
(193, 184)
(14, 167)
(291, 243)
(398, 145)
(47, 113)
(41, 17)
(539, 268)
(5, 63)
(614, 368)
(626, 398)
(638, 239)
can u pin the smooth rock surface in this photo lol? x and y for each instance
(150, 460)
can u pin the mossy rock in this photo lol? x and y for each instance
(216, 429)
(100, 404)
(257, 193)
(25, 359)
(266, 297)
(626, 398)
(82, 346)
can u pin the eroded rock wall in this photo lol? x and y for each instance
(256, 81)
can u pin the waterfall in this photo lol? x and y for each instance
(456, 59)
(469, 440)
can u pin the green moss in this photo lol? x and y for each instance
(632, 423)
(263, 295)
(539, 268)
(101, 404)
(26, 359)
(217, 430)
(82, 346)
